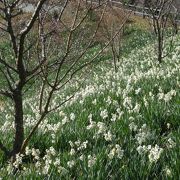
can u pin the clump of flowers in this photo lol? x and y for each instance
(77, 146)
(91, 160)
(101, 129)
(143, 149)
(116, 151)
(168, 171)
(170, 143)
(167, 96)
(104, 114)
(71, 163)
(154, 153)
(143, 134)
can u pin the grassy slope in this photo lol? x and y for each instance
(107, 90)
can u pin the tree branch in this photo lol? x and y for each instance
(6, 93)
(25, 31)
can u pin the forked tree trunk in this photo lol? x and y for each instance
(19, 127)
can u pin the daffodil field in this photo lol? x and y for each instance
(118, 125)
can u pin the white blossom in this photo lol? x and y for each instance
(155, 153)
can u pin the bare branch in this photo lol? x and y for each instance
(7, 79)
(33, 19)
(24, 32)
(7, 65)
(6, 93)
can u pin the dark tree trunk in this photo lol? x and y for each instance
(160, 48)
(19, 127)
(160, 42)
(160, 56)
(176, 27)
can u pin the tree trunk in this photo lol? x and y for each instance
(160, 56)
(114, 57)
(176, 28)
(160, 46)
(19, 127)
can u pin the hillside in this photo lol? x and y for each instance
(119, 125)
(89, 91)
